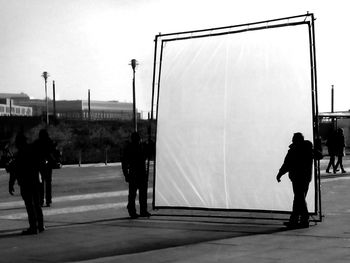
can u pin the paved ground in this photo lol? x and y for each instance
(105, 234)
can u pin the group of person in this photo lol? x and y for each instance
(33, 172)
(336, 147)
(31, 168)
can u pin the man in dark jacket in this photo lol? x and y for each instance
(134, 170)
(298, 162)
(26, 173)
(45, 148)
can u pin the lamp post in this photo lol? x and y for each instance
(45, 75)
(133, 65)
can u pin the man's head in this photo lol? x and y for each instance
(135, 137)
(43, 134)
(298, 138)
(21, 140)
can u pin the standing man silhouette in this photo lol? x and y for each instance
(298, 162)
(26, 173)
(134, 170)
(45, 147)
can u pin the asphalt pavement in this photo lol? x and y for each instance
(98, 229)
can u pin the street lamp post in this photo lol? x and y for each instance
(45, 75)
(133, 65)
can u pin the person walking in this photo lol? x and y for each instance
(134, 169)
(331, 141)
(339, 149)
(298, 163)
(26, 173)
(45, 148)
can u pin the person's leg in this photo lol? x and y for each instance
(131, 199)
(330, 163)
(48, 186)
(294, 217)
(42, 188)
(37, 208)
(304, 212)
(340, 160)
(28, 201)
(143, 187)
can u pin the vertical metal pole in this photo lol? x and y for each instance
(332, 99)
(134, 101)
(54, 99)
(316, 100)
(89, 109)
(47, 103)
(10, 107)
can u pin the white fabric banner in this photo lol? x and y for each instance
(228, 108)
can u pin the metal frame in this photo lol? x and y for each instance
(307, 19)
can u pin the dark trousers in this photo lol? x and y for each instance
(300, 189)
(46, 185)
(133, 187)
(31, 198)
(331, 163)
(340, 163)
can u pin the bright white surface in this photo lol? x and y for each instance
(228, 108)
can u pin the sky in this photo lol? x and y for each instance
(88, 44)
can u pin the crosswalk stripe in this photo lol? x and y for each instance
(67, 210)
(73, 198)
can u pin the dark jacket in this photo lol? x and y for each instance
(298, 162)
(26, 167)
(134, 162)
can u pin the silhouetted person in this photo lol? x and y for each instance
(331, 151)
(298, 162)
(339, 149)
(134, 170)
(26, 173)
(45, 148)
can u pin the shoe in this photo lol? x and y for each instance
(145, 214)
(304, 225)
(290, 225)
(327, 171)
(134, 216)
(48, 204)
(29, 231)
(343, 171)
(41, 229)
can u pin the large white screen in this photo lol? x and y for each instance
(228, 108)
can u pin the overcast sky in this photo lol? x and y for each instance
(88, 44)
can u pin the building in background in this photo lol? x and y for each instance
(9, 108)
(99, 110)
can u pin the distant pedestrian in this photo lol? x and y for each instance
(134, 169)
(26, 173)
(331, 141)
(298, 163)
(45, 148)
(339, 149)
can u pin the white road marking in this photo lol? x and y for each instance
(70, 198)
(68, 210)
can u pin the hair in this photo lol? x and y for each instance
(298, 137)
(43, 134)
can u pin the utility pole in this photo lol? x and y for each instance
(332, 99)
(45, 75)
(133, 65)
(89, 108)
(54, 100)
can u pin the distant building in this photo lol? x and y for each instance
(8, 108)
(99, 110)
(72, 109)
(14, 96)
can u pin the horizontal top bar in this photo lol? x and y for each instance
(240, 25)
